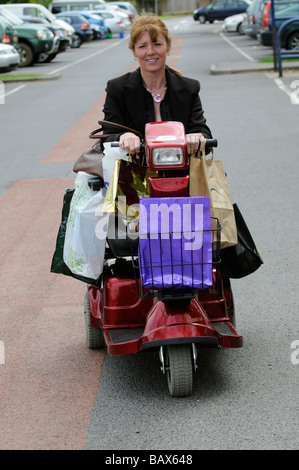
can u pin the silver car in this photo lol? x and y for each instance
(9, 57)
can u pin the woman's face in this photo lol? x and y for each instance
(151, 55)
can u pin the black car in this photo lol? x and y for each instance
(83, 31)
(220, 9)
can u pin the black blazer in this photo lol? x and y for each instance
(128, 103)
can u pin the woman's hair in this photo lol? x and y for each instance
(150, 23)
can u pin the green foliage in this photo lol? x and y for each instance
(46, 3)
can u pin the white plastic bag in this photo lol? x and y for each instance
(86, 230)
(111, 155)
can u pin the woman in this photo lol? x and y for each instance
(153, 92)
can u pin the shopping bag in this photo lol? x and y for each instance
(207, 178)
(175, 244)
(128, 183)
(86, 230)
(242, 259)
(111, 155)
(58, 265)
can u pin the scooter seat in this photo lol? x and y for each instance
(120, 242)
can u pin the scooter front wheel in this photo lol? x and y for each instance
(179, 370)
(94, 336)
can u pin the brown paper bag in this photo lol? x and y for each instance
(207, 178)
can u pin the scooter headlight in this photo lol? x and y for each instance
(171, 156)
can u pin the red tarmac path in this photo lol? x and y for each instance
(49, 378)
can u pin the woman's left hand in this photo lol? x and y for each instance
(194, 142)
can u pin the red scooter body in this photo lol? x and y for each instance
(119, 318)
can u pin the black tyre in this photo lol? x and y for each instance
(26, 55)
(293, 41)
(179, 370)
(76, 41)
(94, 336)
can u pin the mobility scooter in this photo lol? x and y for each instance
(155, 295)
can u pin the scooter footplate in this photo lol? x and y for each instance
(125, 335)
(223, 329)
(228, 336)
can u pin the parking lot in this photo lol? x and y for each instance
(58, 394)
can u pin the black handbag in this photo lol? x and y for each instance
(242, 259)
(58, 265)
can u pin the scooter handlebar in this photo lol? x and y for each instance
(209, 143)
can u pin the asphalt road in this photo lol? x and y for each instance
(56, 394)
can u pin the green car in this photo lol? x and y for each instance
(32, 39)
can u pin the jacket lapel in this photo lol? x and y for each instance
(134, 97)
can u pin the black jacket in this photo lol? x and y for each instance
(128, 103)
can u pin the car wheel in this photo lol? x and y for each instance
(76, 42)
(239, 28)
(293, 41)
(202, 19)
(42, 58)
(26, 55)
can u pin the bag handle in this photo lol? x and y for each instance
(93, 134)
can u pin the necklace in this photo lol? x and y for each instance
(158, 95)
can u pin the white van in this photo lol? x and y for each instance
(58, 6)
(39, 11)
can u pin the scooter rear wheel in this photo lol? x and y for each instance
(94, 336)
(179, 370)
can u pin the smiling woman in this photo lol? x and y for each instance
(153, 92)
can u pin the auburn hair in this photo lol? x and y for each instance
(150, 23)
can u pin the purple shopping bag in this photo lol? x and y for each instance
(175, 243)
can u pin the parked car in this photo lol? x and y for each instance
(8, 34)
(234, 23)
(60, 6)
(113, 22)
(220, 9)
(115, 10)
(83, 31)
(39, 11)
(32, 39)
(96, 23)
(44, 56)
(128, 7)
(253, 18)
(9, 58)
(290, 35)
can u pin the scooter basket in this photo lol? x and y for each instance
(166, 267)
(180, 260)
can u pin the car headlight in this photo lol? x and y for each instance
(44, 34)
(167, 156)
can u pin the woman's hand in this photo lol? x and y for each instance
(195, 142)
(130, 142)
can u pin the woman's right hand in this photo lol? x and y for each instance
(130, 142)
